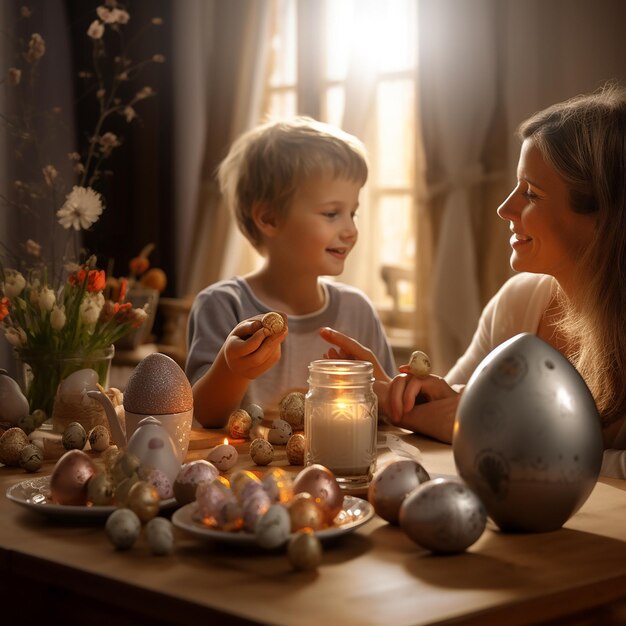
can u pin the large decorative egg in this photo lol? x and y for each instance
(443, 515)
(527, 436)
(321, 483)
(70, 476)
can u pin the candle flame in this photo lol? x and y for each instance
(225, 441)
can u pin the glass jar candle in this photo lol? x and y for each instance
(340, 420)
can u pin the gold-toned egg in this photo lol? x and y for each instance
(240, 479)
(100, 489)
(321, 483)
(278, 484)
(304, 512)
(304, 551)
(143, 499)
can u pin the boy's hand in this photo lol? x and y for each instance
(251, 349)
(351, 349)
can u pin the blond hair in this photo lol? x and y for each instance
(584, 139)
(268, 163)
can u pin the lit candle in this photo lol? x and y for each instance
(341, 420)
(223, 456)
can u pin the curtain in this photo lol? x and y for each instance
(457, 90)
(235, 76)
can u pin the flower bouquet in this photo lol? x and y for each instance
(54, 308)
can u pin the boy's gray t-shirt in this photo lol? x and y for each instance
(221, 306)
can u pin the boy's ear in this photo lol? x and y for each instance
(264, 218)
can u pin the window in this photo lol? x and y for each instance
(347, 60)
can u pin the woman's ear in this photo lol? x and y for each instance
(264, 218)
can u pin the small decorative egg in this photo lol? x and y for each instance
(223, 456)
(392, 484)
(12, 443)
(190, 476)
(99, 438)
(321, 483)
(278, 485)
(240, 479)
(70, 476)
(74, 436)
(211, 497)
(273, 527)
(230, 517)
(123, 488)
(109, 457)
(261, 452)
(253, 507)
(304, 512)
(280, 432)
(419, 364)
(304, 551)
(13, 403)
(29, 423)
(274, 322)
(160, 482)
(143, 499)
(443, 515)
(122, 528)
(295, 449)
(256, 413)
(100, 489)
(160, 536)
(31, 457)
(126, 464)
(292, 409)
(239, 424)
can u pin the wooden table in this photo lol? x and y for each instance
(374, 576)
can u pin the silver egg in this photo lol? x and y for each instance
(527, 436)
(443, 515)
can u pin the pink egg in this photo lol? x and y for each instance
(190, 476)
(321, 483)
(68, 482)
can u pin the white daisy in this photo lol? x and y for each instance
(82, 208)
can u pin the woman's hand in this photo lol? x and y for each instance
(351, 349)
(426, 404)
(250, 349)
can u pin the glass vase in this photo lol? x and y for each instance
(41, 372)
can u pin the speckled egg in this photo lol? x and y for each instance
(273, 527)
(304, 551)
(274, 322)
(211, 497)
(392, 484)
(256, 413)
(295, 449)
(278, 485)
(253, 507)
(99, 438)
(74, 436)
(160, 536)
(321, 483)
(69, 478)
(419, 364)
(280, 432)
(158, 386)
(292, 409)
(12, 442)
(31, 457)
(443, 515)
(122, 528)
(261, 452)
(159, 480)
(239, 424)
(190, 476)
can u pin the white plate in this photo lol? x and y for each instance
(355, 513)
(34, 494)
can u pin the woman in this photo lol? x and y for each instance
(567, 217)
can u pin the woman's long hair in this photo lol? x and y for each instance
(584, 139)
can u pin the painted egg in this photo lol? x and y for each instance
(71, 473)
(240, 479)
(527, 437)
(211, 497)
(273, 527)
(419, 364)
(160, 482)
(31, 457)
(158, 386)
(261, 452)
(321, 483)
(274, 322)
(12, 442)
(74, 436)
(295, 449)
(392, 484)
(223, 456)
(305, 512)
(278, 485)
(280, 432)
(292, 409)
(99, 438)
(239, 424)
(254, 506)
(443, 515)
(304, 551)
(190, 476)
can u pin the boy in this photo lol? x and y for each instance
(294, 189)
